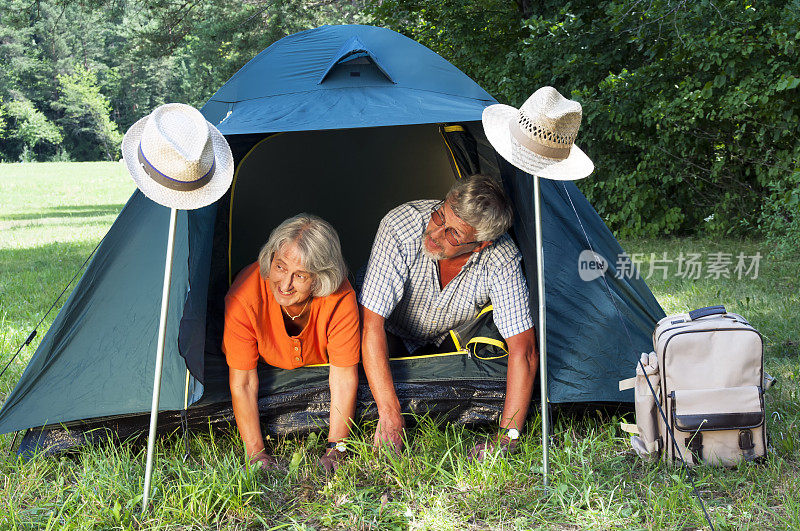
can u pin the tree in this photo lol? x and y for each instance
(28, 128)
(482, 38)
(85, 116)
(2, 120)
(206, 42)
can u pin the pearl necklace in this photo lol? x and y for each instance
(293, 317)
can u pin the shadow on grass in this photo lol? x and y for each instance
(79, 211)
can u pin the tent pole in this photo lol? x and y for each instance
(542, 332)
(162, 329)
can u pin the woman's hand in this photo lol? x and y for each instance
(332, 459)
(264, 461)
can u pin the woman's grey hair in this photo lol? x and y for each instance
(319, 247)
(481, 202)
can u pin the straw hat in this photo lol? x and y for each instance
(177, 158)
(539, 138)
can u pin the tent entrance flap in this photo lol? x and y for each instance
(350, 178)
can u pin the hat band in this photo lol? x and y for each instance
(540, 149)
(169, 182)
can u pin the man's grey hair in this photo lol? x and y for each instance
(319, 247)
(480, 201)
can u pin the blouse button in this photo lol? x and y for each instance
(297, 358)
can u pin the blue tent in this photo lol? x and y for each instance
(345, 122)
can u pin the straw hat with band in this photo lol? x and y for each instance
(177, 158)
(539, 137)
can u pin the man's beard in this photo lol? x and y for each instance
(438, 255)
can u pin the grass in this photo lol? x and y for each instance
(52, 215)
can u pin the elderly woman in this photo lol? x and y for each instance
(293, 307)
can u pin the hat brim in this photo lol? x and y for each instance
(183, 200)
(496, 120)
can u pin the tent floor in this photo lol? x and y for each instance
(471, 402)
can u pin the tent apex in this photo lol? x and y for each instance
(353, 48)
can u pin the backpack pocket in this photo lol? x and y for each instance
(721, 426)
(645, 439)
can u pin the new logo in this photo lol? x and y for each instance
(591, 265)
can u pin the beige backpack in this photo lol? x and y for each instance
(707, 374)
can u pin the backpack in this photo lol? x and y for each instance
(707, 371)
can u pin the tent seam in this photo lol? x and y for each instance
(395, 87)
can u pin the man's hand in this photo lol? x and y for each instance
(390, 430)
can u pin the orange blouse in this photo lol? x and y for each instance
(254, 327)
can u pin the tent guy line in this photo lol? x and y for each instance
(684, 465)
(33, 333)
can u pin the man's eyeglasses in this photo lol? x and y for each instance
(450, 233)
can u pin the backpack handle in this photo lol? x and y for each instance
(705, 312)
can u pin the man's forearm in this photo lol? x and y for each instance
(375, 357)
(523, 362)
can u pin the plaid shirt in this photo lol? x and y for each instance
(402, 284)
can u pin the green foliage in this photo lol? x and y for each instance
(479, 37)
(25, 72)
(3, 127)
(28, 129)
(205, 43)
(706, 126)
(781, 216)
(2, 120)
(690, 108)
(62, 155)
(85, 114)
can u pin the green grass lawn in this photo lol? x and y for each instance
(51, 217)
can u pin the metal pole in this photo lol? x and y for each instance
(162, 332)
(542, 332)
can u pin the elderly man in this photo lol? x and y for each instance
(433, 265)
